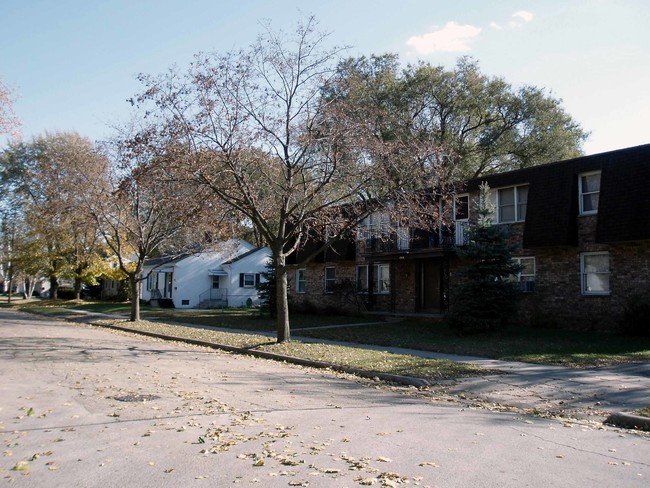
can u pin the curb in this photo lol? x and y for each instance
(629, 421)
(392, 378)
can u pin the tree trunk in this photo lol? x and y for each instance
(282, 302)
(30, 285)
(77, 288)
(54, 288)
(10, 280)
(135, 298)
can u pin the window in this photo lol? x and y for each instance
(301, 282)
(511, 203)
(249, 280)
(374, 225)
(461, 207)
(594, 270)
(378, 274)
(525, 277)
(215, 282)
(589, 188)
(152, 281)
(330, 279)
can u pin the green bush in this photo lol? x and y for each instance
(65, 293)
(635, 315)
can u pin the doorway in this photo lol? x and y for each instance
(428, 285)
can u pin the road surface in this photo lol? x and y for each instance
(85, 407)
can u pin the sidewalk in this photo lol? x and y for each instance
(591, 393)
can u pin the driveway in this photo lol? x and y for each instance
(82, 407)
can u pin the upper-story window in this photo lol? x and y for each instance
(511, 204)
(589, 189)
(374, 225)
(461, 216)
(461, 207)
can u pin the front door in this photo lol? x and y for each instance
(428, 277)
(168, 285)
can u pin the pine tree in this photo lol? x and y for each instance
(486, 299)
(267, 290)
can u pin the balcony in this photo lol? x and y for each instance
(382, 240)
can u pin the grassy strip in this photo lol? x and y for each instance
(546, 346)
(348, 356)
(644, 412)
(230, 318)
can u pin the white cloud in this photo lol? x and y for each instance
(452, 37)
(523, 15)
(495, 26)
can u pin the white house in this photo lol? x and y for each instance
(226, 277)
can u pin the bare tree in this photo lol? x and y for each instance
(273, 148)
(141, 212)
(9, 123)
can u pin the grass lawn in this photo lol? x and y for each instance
(560, 347)
(350, 356)
(568, 348)
(644, 412)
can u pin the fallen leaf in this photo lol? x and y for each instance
(22, 467)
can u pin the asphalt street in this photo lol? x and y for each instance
(85, 407)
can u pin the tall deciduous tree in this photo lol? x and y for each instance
(482, 124)
(141, 212)
(268, 142)
(9, 123)
(41, 173)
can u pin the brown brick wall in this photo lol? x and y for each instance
(315, 296)
(403, 280)
(558, 300)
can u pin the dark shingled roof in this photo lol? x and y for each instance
(241, 256)
(551, 215)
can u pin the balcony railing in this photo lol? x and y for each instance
(213, 298)
(379, 239)
(461, 235)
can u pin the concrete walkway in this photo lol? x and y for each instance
(589, 393)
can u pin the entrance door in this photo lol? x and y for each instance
(168, 285)
(429, 285)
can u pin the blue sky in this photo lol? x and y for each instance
(73, 62)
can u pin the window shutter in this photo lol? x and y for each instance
(241, 280)
(257, 279)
